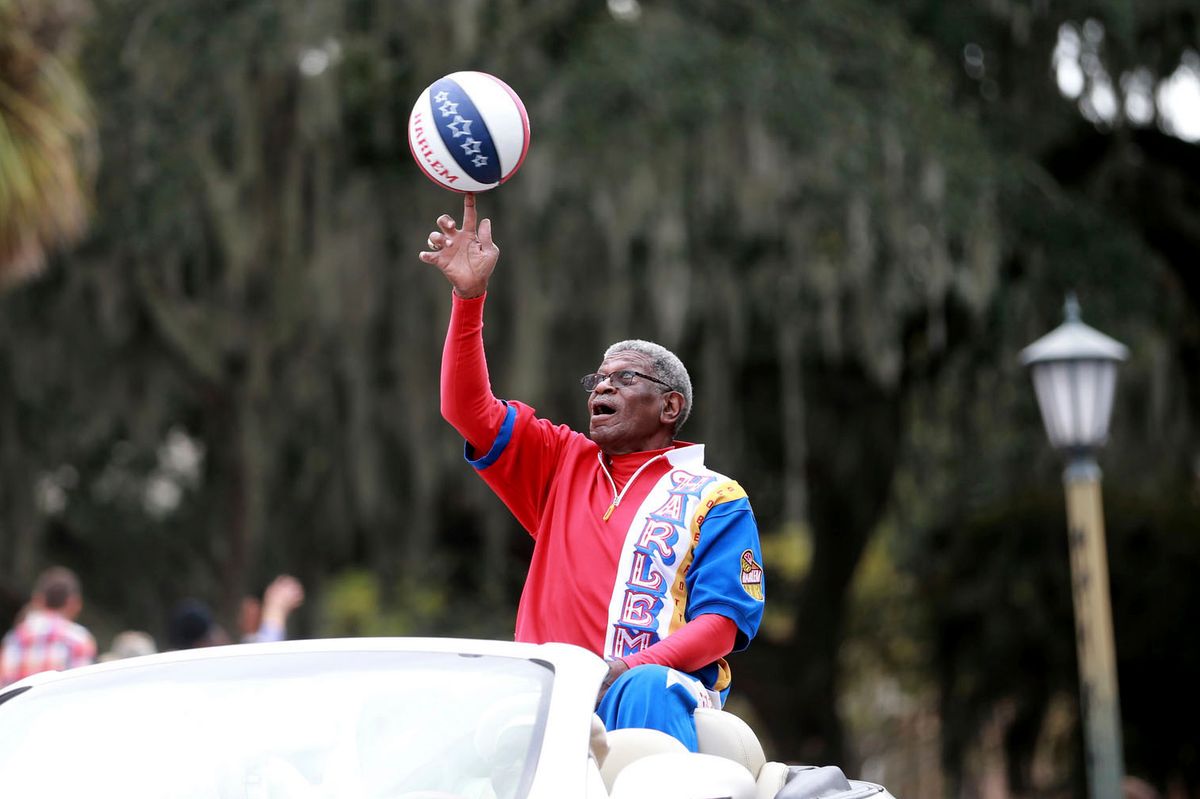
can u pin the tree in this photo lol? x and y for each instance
(47, 134)
(1090, 205)
(844, 230)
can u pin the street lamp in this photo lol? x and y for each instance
(1074, 370)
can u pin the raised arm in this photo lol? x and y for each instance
(283, 595)
(467, 258)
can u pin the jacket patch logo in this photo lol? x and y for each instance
(752, 576)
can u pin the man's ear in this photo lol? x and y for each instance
(672, 407)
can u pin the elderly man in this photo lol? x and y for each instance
(47, 637)
(642, 554)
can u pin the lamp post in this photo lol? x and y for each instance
(1074, 370)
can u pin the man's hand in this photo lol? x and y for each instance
(466, 257)
(616, 667)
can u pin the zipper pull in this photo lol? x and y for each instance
(612, 506)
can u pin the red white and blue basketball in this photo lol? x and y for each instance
(469, 132)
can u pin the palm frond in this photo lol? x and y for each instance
(47, 138)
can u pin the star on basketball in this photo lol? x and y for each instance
(471, 146)
(460, 126)
(479, 160)
(441, 97)
(448, 108)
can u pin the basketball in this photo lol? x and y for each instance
(469, 132)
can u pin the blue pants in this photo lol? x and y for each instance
(655, 697)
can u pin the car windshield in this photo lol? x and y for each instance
(333, 724)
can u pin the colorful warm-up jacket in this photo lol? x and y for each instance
(625, 553)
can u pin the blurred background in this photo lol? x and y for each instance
(219, 353)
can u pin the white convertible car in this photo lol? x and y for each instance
(394, 718)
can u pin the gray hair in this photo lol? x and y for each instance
(667, 367)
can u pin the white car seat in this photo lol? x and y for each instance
(685, 775)
(719, 732)
(628, 745)
(722, 734)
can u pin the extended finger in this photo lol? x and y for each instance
(485, 233)
(428, 257)
(469, 212)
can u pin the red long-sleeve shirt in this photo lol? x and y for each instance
(557, 483)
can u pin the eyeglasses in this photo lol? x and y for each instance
(625, 377)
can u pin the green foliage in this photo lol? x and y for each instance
(46, 134)
(846, 233)
(995, 584)
(353, 606)
(789, 550)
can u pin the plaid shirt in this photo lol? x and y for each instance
(44, 641)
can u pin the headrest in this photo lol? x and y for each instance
(628, 745)
(719, 732)
(684, 775)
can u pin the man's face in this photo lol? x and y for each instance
(631, 418)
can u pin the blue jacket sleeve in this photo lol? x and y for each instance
(726, 576)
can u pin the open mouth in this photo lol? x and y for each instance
(602, 408)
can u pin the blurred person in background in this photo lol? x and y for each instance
(46, 636)
(129, 644)
(191, 625)
(266, 620)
